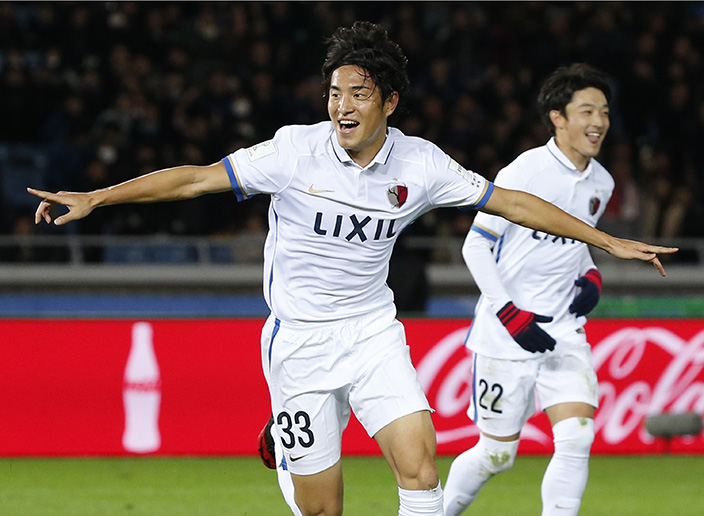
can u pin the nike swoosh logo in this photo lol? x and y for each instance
(314, 191)
(294, 459)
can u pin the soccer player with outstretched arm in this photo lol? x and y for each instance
(341, 192)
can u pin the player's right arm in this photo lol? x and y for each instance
(170, 184)
(477, 254)
(520, 324)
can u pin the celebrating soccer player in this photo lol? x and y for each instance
(341, 192)
(527, 335)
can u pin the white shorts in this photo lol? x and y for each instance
(317, 371)
(504, 391)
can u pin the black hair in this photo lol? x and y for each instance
(368, 46)
(560, 86)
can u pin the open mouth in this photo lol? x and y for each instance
(594, 138)
(347, 125)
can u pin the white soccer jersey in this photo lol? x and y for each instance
(538, 270)
(332, 223)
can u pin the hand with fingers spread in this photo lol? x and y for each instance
(632, 249)
(79, 205)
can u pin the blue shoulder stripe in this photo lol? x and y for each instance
(241, 196)
(485, 196)
(486, 233)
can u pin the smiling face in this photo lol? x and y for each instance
(580, 132)
(358, 113)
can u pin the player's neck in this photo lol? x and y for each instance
(364, 155)
(579, 160)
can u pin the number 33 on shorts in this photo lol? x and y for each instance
(295, 429)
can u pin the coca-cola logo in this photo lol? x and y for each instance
(445, 374)
(641, 371)
(646, 371)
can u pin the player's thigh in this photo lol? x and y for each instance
(320, 493)
(567, 376)
(503, 396)
(409, 445)
(386, 385)
(308, 398)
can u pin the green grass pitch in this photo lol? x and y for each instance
(618, 486)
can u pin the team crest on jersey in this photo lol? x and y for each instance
(594, 204)
(398, 194)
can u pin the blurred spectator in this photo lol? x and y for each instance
(622, 215)
(23, 249)
(113, 89)
(666, 201)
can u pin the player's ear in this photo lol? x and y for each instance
(391, 104)
(557, 118)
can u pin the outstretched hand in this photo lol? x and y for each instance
(78, 205)
(631, 249)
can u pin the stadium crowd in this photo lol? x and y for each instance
(105, 91)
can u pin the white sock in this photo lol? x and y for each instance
(473, 468)
(415, 503)
(566, 476)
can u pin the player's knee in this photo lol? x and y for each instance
(428, 477)
(499, 462)
(423, 476)
(497, 456)
(574, 436)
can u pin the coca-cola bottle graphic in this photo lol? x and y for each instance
(141, 393)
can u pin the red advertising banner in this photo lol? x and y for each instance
(195, 387)
(644, 367)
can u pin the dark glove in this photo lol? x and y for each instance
(523, 327)
(587, 299)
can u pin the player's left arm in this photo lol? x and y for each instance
(531, 211)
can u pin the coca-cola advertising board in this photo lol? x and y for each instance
(195, 387)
